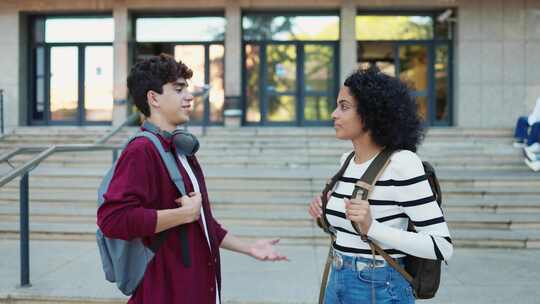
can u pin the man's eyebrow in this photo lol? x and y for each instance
(180, 84)
(341, 101)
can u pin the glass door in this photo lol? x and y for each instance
(279, 105)
(206, 62)
(98, 83)
(64, 84)
(194, 57)
(411, 62)
(319, 83)
(414, 69)
(81, 84)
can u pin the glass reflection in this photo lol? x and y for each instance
(193, 57)
(180, 29)
(414, 66)
(253, 65)
(58, 30)
(287, 28)
(441, 82)
(380, 54)
(281, 108)
(318, 67)
(98, 79)
(64, 90)
(281, 68)
(217, 90)
(317, 108)
(374, 27)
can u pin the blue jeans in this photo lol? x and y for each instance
(526, 133)
(352, 284)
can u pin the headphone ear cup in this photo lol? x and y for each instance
(185, 142)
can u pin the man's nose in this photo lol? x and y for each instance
(334, 114)
(189, 97)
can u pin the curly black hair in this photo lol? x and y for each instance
(387, 109)
(152, 74)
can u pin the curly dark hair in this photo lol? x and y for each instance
(152, 74)
(387, 108)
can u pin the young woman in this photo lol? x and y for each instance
(375, 111)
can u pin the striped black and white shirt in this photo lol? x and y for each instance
(401, 194)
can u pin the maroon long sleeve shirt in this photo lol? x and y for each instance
(141, 186)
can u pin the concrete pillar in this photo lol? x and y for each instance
(532, 51)
(347, 50)
(9, 61)
(122, 34)
(233, 64)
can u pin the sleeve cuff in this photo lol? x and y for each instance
(221, 233)
(148, 222)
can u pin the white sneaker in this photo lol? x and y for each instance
(530, 156)
(534, 148)
(534, 165)
(519, 144)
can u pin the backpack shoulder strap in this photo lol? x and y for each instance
(168, 158)
(364, 185)
(174, 173)
(322, 221)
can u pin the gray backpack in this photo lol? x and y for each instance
(125, 262)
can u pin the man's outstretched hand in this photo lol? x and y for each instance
(264, 250)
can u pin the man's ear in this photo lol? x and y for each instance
(152, 98)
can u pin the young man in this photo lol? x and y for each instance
(142, 200)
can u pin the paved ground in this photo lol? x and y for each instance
(71, 270)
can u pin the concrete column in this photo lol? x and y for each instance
(347, 50)
(532, 49)
(9, 61)
(233, 64)
(122, 34)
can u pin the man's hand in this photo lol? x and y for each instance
(191, 203)
(358, 211)
(264, 250)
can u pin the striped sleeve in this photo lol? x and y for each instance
(415, 197)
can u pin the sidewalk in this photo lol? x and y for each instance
(69, 272)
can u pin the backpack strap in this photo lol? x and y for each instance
(362, 190)
(174, 173)
(322, 221)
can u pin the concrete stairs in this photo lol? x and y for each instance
(261, 180)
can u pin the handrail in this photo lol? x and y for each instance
(2, 110)
(32, 149)
(24, 172)
(131, 119)
(48, 151)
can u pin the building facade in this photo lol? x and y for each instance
(270, 63)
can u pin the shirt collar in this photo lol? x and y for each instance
(165, 139)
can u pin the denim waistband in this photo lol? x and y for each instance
(358, 263)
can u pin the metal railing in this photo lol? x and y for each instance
(2, 110)
(24, 172)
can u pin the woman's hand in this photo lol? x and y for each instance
(264, 250)
(358, 211)
(315, 207)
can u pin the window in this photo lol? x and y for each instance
(180, 29)
(72, 70)
(287, 28)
